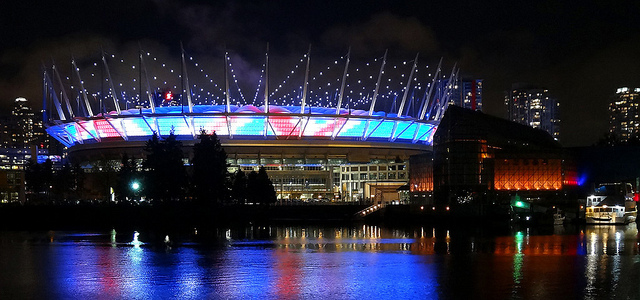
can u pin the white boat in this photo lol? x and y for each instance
(611, 203)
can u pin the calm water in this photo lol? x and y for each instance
(361, 262)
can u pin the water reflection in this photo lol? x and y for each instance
(333, 262)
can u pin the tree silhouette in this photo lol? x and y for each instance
(260, 188)
(239, 187)
(39, 178)
(267, 190)
(253, 192)
(165, 176)
(210, 176)
(125, 177)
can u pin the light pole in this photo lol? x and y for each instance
(135, 187)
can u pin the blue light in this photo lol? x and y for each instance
(284, 121)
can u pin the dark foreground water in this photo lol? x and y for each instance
(309, 262)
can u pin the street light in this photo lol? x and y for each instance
(135, 187)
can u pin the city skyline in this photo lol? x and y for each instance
(583, 53)
(535, 107)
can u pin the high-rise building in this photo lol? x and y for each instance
(534, 107)
(624, 115)
(468, 94)
(22, 129)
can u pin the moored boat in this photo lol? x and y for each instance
(611, 203)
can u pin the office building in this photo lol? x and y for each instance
(624, 120)
(535, 107)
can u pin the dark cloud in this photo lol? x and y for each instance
(383, 31)
(582, 53)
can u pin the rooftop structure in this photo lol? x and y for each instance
(370, 112)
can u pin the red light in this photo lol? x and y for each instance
(168, 96)
(636, 197)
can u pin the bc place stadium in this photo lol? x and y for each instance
(335, 130)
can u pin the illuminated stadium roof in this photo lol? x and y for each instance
(317, 115)
(246, 121)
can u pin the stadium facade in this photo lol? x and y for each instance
(335, 144)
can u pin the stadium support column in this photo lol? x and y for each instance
(152, 103)
(266, 93)
(340, 95)
(56, 102)
(186, 88)
(226, 91)
(447, 92)
(425, 106)
(45, 107)
(63, 91)
(304, 93)
(375, 95)
(404, 98)
(111, 86)
(83, 91)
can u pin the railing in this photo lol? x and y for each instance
(369, 210)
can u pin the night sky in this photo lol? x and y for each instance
(581, 51)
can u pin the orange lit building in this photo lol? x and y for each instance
(421, 178)
(480, 161)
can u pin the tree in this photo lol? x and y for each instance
(260, 188)
(608, 139)
(165, 176)
(267, 190)
(253, 192)
(63, 183)
(104, 180)
(126, 176)
(239, 187)
(39, 178)
(210, 176)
